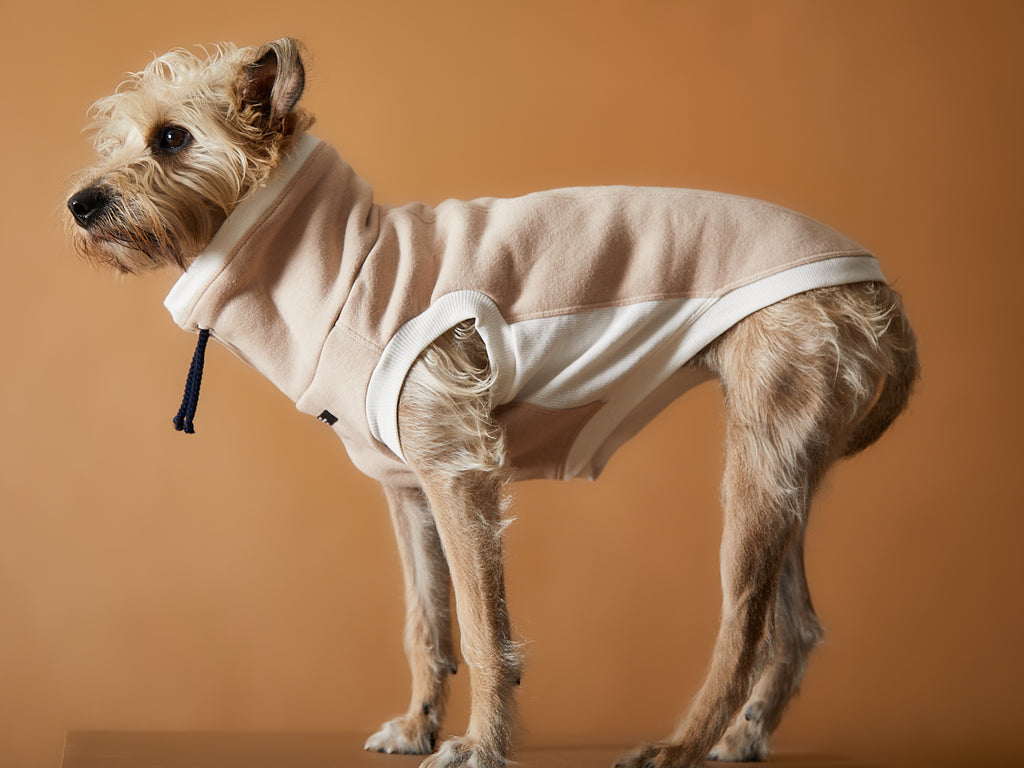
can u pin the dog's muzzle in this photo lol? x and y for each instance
(86, 204)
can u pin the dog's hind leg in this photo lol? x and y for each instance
(781, 416)
(797, 632)
(869, 349)
(428, 632)
(457, 452)
(807, 380)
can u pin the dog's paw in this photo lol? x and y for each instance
(464, 753)
(656, 756)
(639, 758)
(404, 736)
(745, 741)
(740, 747)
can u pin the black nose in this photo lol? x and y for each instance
(85, 204)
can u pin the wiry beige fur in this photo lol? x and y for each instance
(807, 381)
(165, 210)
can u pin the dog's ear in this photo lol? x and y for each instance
(274, 82)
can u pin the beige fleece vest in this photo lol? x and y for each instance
(590, 300)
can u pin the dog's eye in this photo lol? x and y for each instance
(172, 138)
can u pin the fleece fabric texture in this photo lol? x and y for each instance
(590, 300)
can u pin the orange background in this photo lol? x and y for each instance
(245, 578)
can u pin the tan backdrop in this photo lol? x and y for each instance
(245, 578)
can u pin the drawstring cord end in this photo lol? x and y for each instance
(189, 401)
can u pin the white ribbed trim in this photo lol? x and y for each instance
(411, 339)
(209, 263)
(616, 354)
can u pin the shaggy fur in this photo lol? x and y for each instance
(808, 380)
(165, 204)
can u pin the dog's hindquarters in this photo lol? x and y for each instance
(897, 350)
(874, 362)
(806, 380)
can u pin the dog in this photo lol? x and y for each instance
(457, 347)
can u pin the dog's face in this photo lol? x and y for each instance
(179, 145)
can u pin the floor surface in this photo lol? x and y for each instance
(112, 749)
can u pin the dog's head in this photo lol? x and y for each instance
(179, 144)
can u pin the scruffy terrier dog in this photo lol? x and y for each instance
(459, 346)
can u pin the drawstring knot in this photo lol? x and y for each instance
(187, 412)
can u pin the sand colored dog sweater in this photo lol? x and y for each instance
(590, 300)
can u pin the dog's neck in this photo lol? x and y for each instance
(286, 255)
(212, 259)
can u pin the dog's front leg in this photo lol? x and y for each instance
(468, 519)
(428, 634)
(457, 452)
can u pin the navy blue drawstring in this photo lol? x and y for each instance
(187, 412)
